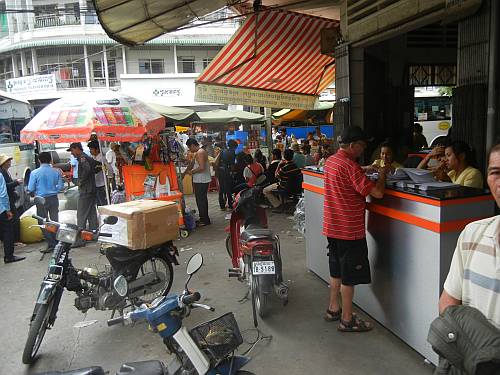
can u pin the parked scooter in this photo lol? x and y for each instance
(207, 349)
(255, 251)
(131, 279)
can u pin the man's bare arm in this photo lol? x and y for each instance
(379, 188)
(201, 159)
(446, 300)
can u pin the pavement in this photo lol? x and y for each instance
(302, 342)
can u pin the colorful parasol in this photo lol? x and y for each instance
(112, 116)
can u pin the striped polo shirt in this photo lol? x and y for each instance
(346, 187)
(474, 276)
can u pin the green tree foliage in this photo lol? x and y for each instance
(445, 91)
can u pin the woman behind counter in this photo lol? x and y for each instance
(386, 159)
(458, 167)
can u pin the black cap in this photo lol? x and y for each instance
(75, 145)
(93, 144)
(352, 134)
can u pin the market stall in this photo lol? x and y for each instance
(146, 166)
(411, 237)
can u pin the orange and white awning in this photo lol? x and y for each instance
(273, 60)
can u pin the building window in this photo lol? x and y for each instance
(98, 69)
(186, 64)
(151, 66)
(206, 62)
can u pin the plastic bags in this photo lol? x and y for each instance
(72, 197)
(299, 217)
(68, 217)
(30, 234)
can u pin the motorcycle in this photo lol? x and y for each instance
(255, 251)
(131, 279)
(207, 349)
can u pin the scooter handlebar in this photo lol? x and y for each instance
(112, 322)
(191, 298)
(38, 217)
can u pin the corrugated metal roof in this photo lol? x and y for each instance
(184, 40)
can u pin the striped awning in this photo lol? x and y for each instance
(273, 60)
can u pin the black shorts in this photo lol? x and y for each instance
(349, 261)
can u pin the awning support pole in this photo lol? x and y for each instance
(493, 87)
(105, 171)
(269, 133)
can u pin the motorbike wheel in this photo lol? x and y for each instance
(228, 246)
(260, 300)
(38, 326)
(151, 265)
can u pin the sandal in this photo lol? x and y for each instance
(355, 325)
(333, 316)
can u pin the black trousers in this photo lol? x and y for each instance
(102, 199)
(86, 211)
(7, 230)
(200, 193)
(225, 190)
(49, 210)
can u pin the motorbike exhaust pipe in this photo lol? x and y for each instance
(281, 290)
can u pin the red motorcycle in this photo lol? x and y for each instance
(255, 251)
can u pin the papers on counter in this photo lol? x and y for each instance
(414, 174)
(420, 179)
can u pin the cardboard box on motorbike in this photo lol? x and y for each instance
(141, 223)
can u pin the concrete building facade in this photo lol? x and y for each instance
(52, 49)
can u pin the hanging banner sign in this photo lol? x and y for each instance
(45, 82)
(236, 95)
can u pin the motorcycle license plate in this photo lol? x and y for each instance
(263, 268)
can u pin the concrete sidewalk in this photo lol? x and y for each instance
(302, 343)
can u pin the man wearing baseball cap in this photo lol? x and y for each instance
(86, 210)
(346, 188)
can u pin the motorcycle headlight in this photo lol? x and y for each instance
(67, 235)
(121, 286)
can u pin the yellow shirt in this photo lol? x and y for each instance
(381, 164)
(470, 177)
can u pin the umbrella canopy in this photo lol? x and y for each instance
(173, 113)
(113, 117)
(223, 116)
(289, 115)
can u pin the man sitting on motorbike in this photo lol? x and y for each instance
(286, 171)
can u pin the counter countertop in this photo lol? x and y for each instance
(461, 192)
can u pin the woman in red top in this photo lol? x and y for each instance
(252, 170)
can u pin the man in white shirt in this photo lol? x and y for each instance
(111, 159)
(474, 276)
(101, 166)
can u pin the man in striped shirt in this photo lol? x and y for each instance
(474, 276)
(346, 188)
(286, 172)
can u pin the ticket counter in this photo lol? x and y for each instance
(411, 238)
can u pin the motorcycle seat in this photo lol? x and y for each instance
(94, 370)
(251, 234)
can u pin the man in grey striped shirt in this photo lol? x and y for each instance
(474, 277)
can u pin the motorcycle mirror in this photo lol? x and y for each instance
(39, 201)
(194, 264)
(111, 220)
